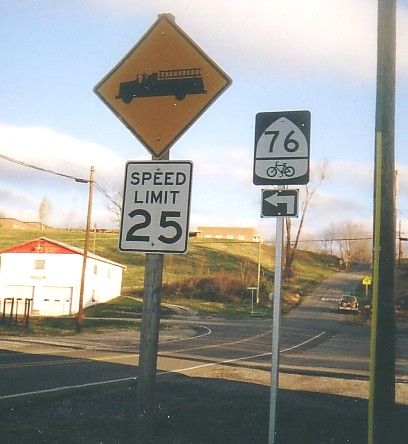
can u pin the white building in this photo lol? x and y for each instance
(49, 273)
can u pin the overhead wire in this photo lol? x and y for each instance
(45, 170)
(57, 173)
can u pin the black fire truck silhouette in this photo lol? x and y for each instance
(172, 82)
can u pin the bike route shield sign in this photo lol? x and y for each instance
(156, 207)
(162, 86)
(282, 148)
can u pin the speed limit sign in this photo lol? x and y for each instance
(282, 148)
(156, 207)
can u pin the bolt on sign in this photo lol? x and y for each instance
(162, 85)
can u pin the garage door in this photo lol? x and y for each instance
(22, 292)
(56, 301)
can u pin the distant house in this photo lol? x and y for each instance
(15, 224)
(230, 233)
(49, 272)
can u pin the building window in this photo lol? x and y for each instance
(39, 264)
(95, 269)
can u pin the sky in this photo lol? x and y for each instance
(316, 55)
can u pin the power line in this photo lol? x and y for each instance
(45, 170)
(107, 196)
(68, 176)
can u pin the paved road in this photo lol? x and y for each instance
(315, 339)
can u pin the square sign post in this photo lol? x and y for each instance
(281, 157)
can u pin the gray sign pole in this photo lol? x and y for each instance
(276, 328)
(149, 335)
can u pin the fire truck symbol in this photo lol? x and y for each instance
(173, 82)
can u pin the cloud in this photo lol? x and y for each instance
(22, 188)
(225, 164)
(13, 198)
(294, 36)
(348, 172)
(48, 149)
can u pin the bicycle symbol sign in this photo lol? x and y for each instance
(282, 148)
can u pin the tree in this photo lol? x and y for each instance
(290, 251)
(44, 211)
(353, 243)
(114, 205)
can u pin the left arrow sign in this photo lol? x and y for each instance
(279, 203)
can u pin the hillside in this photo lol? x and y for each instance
(216, 271)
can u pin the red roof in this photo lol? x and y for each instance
(41, 245)
(50, 246)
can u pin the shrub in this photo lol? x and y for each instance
(220, 287)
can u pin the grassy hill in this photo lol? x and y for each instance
(212, 273)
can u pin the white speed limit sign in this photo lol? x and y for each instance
(156, 207)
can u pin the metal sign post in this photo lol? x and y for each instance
(149, 337)
(252, 298)
(276, 329)
(281, 157)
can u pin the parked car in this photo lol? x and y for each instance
(348, 303)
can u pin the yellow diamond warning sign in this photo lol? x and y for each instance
(162, 85)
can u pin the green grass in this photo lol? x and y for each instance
(212, 277)
(63, 326)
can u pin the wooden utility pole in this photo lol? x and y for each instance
(149, 336)
(79, 319)
(382, 351)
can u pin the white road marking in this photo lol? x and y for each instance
(134, 378)
(67, 387)
(303, 343)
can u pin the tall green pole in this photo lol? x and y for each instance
(382, 350)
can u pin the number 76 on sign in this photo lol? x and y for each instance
(282, 149)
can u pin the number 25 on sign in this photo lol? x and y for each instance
(156, 207)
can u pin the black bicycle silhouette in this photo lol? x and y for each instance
(282, 168)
